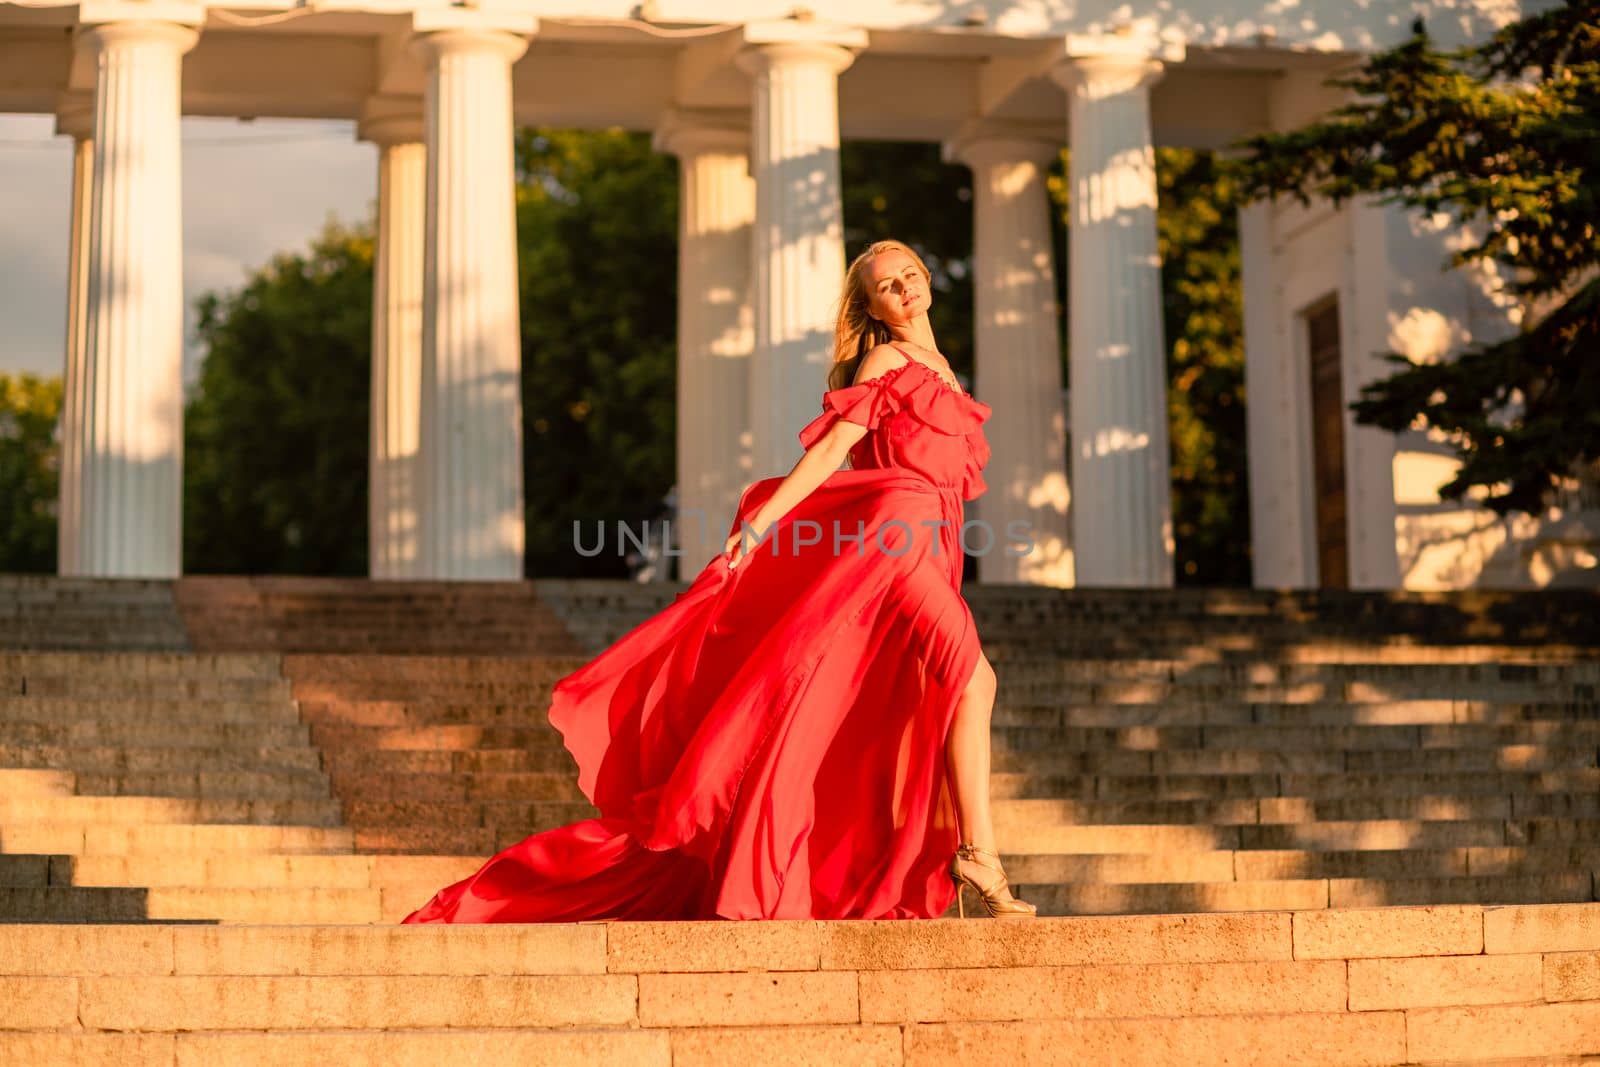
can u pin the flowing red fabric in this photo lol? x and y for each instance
(771, 744)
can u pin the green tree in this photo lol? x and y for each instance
(275, 466)
(1504, 136)
(598, 237)
(1204, 320)
(29, 472)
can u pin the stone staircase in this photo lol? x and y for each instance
(1275, 829)
(1300, 756)
(38, 612)
(1132, 786)
(288, 614)
(434, 754)
(170, 786)
(1426, 985)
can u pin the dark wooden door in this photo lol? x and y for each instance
(1327, 432)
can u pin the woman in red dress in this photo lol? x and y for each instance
(804, 732)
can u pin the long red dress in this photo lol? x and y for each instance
(771, 744)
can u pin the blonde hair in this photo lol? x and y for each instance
(856, 333)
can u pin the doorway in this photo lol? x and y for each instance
(1327, 433)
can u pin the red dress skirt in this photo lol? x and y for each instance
(771, 744)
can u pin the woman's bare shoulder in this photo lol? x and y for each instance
(878, 362)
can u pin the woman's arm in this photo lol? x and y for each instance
(821, 460)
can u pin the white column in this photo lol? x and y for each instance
(471, 427)
(1018, 356)
(1122, 512)
(125, 492)
(798, 248)
(1369, 451)
(78, 121)
(1282, 525)
(393, 516)
(716, 206)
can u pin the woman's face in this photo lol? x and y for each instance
(897, 291)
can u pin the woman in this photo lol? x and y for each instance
(784, 739)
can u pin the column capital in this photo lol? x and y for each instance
(445, 19)
(75, 114)
(438, 32)
(981, 141)
(1099, 65)
(102, 12)
(100, 36)
(795, 41)
(391, 120)
(685, 132)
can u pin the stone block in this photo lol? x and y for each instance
(1388, 932)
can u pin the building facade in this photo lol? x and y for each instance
(753, 98)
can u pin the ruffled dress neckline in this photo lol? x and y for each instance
(954, 387)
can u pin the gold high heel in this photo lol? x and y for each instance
(997, 906)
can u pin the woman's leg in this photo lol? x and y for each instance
(967, 758)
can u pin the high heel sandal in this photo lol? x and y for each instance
(998, 907)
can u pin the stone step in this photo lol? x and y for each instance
(1292, 737)
(1295, 798)
(1041, 750)
(1256, 785)
(135, 810)
(1012, 690)
(1324, 741)
(114, 760)
(1389, 713)
(1039, 753)
(1040, 826)
(427, 692)
(359, 811)
(1304, 894)
(234, 871)
(209, 735)
(1020, 691)
(1243, 865)
(1068, 767)
(134, 634)
(426, 738)
(440, 761)
(364, 775)
(431, 839)
(1444, 984)
(115, 710)
(1206, 646)
(143, 666)
(37, 782)
(1077, 795)
(798, 946)
(97, 838)
(542, 786)
(75, 687)
(1273, 671)
(403, 713)
(352, 672)
(1291, 809)
(399, 713)
(1040, 831)
(919, 1044)
(225, 786)
(175, 904)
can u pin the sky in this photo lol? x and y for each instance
(250, 190)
